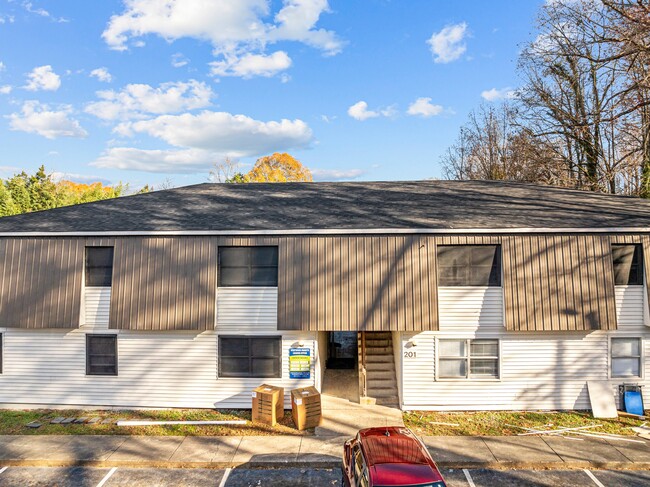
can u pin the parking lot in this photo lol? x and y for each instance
(301, 477)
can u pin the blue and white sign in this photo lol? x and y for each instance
(299, 363)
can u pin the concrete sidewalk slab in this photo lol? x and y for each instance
(589, 451)
(521, 450)
(635, 452)
(458, 449)
(206, 449)
(321, 450)
(263, 450)
(147, 448)
(344, 418)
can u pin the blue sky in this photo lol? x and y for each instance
(144, 91)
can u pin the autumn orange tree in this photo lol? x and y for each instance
(278, 168)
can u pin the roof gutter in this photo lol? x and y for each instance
(332, 231)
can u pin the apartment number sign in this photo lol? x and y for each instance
(299, 363)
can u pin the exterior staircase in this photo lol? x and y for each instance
(376, 354)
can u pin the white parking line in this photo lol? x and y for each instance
(108, 476)
(593, 477)
(3, 469)
(224, 479)
(470, 481)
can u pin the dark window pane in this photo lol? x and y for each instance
(469, 265)
(234, 256)
(265, 367)
(628, 265)
(99, 266)
(235, 347)
(264, 256)
(235, 276)
(101, 354)
(248, 266)
(235, 367)
(265, 347)
(264, 276)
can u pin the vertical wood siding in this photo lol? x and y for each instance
(40, 282)
(373, 283)
(558, 283)
(164, 284)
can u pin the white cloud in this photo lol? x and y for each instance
(136, 100)
(250, 65)
(495, 94)
(7, 18)
(336, 174)
(79, 178)
(38, 118)
(235, 29)
(447, 45)
(424, 108)
(2, 67)
(5, 90)
(102, 74)
(234, 135)
(161, 161)
(43, 78)
(178, 60)
(29, 7)
(359, 111)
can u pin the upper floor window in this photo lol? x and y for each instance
(248, 266)
(99, 266)
(469, 265)
(628, 265)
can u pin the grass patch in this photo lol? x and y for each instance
(493, 423)
(13, 422)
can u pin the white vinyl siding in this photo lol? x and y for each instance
(246, 310)
(630, 302)
(96, 307)
(470, 308)
(175, 369)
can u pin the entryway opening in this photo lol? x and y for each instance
(341, 378)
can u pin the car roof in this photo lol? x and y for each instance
(392, 444)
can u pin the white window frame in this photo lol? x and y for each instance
(467, 357)
(641, 358)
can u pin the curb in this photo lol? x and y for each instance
(577, 465)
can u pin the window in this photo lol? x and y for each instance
(468, 359)
(248, 266)
(241, 356)
(469, 265)
(101, 354)
(626, 357)
(99, 266)
(628, 265)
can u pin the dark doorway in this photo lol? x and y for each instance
(342, 350)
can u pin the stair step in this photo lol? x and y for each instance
(379, 392)
(375, 334)
(380, 375)
(379, 351)
(380, 366)
(378, 343)
(388, 402)
(381, 383)
(381, 357)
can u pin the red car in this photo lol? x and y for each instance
(388, 457)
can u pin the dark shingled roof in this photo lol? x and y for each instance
(350, 205)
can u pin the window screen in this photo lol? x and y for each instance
(628, 265)
(468, 359)
(250, 357)
(99, 266)
(469, 265)
(248, 266)
(101, 354)
(626, 357)
(0, 353)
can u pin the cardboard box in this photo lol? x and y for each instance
(306, 407)
(268, 404)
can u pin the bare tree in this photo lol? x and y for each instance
(224, 171)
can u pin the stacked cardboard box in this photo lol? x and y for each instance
(268, 404)
(306, 407)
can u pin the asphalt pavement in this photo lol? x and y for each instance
(300, 477)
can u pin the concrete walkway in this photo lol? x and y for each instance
(530, 452)
(342, 417)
